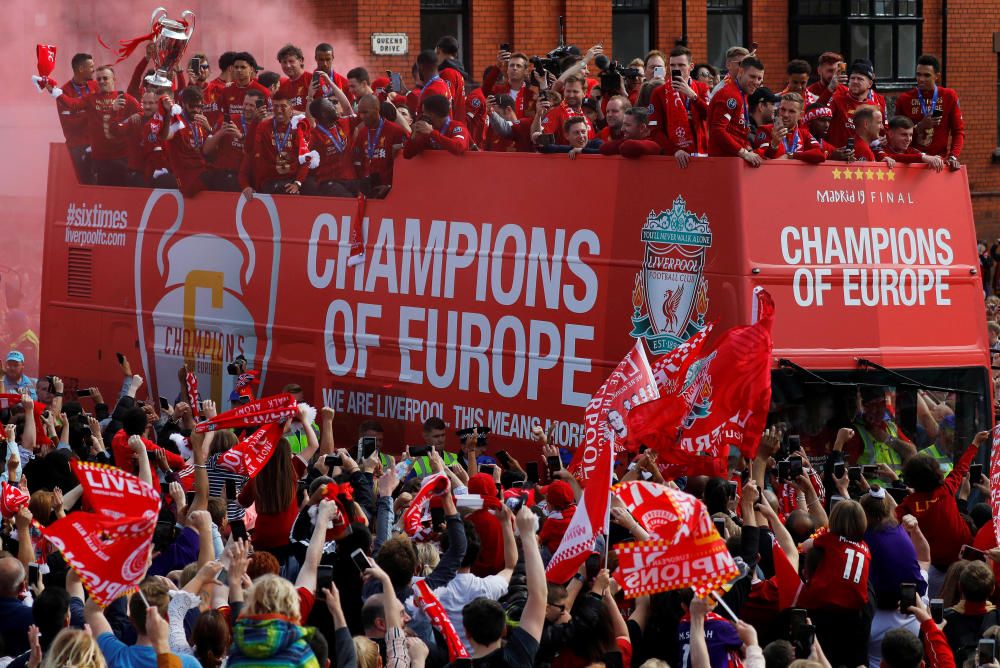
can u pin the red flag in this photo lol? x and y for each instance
(995, 481)
(12, 499)
(609, 406)
(656, 424)
(440, 620)
(263, 411)
(695, 556)
(111, 557)
(433, 485)
(41, 436)
(357, 239)
(191, 385)
(113, 493)
(250, 455)
(592, 513)
(658, 508)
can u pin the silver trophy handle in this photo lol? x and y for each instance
(158, 14)
(188, 16)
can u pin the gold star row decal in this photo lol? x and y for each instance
(859, 174)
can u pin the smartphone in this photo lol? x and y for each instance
(733, 489)
(975, 473)
(987, 651)
(230, 489)
(396, 81)
(531, 469)
(797, 619)
(83, 392)
(897, 493)
(907, 596)
(222, 577)
(503, 458)
(804, 638)
(260, 103)
(720, 526)
(360, 560)
(121, 358)
(189, 498)
(515, 503)
(367, 446)
(796, 465)
(517, 484)
(419, 451)
(437, 517)
(850, 144)
(937, 113)
(675, 74)
(487, 469)
(794, 442)
(324, 578)
(937, 610)
(121, 95)
(753, 47)
(546, 139)
(784, 470)
(333, 460)
(839, 469)
(555, 464)
(164, 404)
(34, 575)
(195, 64)
(970, 553)
(854, 473)
(659, 72)
(505, 47)
(869, 470)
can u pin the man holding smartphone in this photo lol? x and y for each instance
(939, 127)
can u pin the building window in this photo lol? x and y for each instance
(445, 17)
(727, 27)
(886, 32)
(631, 29)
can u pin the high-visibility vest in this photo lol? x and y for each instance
(944, 460)
(877, 452)
(298, 441)
(422, 465)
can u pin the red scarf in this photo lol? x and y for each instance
(434, 485)
(439, 619)
(12, 499)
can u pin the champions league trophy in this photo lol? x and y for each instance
(170, 40)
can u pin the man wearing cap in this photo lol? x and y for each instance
(15, 381)
(507, 132)
(762, 106)
(22, 337)
(729, 114)
(860, 92)
(561, 504)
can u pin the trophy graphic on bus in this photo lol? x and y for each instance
(170, 40)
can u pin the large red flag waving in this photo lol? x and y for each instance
(263, 411)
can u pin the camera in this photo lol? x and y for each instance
(237, 366)
(612, 74)
(552, 61)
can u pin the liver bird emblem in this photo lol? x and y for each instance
(671, 301)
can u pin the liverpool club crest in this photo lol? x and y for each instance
(671, 295)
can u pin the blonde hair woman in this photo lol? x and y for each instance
(269, 630)
(76, 648)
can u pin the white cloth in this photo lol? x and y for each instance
(463, 589)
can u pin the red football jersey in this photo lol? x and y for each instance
(131, 130)
(436, 85)
(230, 150)
(453, 137)
(843, 106)
(231, 98)
(336, 161)
(841, 580)
(456, 87)
(274, 156)
(697, 112)
(821, 94)
(915, 106)
(798, 145)
(477, 116)
(185, 151)
(728, 121)
(297, 90)
(374, 150)
(74, 120)
(102, 120)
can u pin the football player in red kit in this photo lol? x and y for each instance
(231, 97)
(188, 136)
(832, 71)
(729, 113)
(74, 121)
(692, 95)
(359, 82)
(227, 158)
(335, 175)
(436, 129)
(614, 116)
(898, 146)
(939, 128)
(868, 127)
(506, 132)
(296, 82)
(786, 139)
(105, 110)
(324, 63)
(636, 138)
(571, 105)
(275, 163)
(451, 71)
(434, 84)
(148, 165)
(376, 143)
(859, 93)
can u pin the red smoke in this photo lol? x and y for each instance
(29, 123)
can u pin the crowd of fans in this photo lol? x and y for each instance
(879, 553)
(316, 131)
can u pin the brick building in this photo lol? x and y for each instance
(891, 33)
